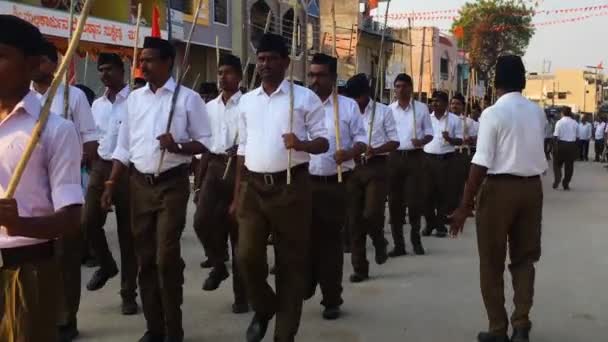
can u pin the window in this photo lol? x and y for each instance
(550, 95)
(220, 11)
(562, 95)
(444, 68)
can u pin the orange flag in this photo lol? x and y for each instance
(156, 22)
(373, 4)
(459, 32)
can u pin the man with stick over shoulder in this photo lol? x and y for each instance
(275, 196)
(505, 180)
(329, 182)
(216, 173)
(159, 199)
(47, 202)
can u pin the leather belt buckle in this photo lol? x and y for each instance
(268, 179)
(150, 179)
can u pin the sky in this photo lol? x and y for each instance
(567, 45)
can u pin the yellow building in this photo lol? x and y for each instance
(565, 87)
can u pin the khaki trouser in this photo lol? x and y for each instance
(285, 212)
(212, 223)
(407, 182)
(509, 214)
(442, 189)
(327, 253)
(94, 218)
(159, 217)
(68, 256)
(28, 302)
(367, 190)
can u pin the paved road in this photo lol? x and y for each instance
(423, 299)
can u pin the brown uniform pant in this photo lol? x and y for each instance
(406, 180)
(327, 253)
(28, 302)
(159, 217)
(367, 190)
(564, 157)
(94, 219)
(509, 213)
(212, 223)
(68, 256)
(285, 212)
(442, 190)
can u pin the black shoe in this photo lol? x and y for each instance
(555, 185)
(240, 308)
(381, 253)
(397, 252)
(427, 231)
(491, 337)
(152, 337)
(100, 278)
(520, 335)
(173, 339)
(257, 328)
(419, 250)
(566, 187)
(441, 232)
(206, 264)
(358, 277)
(217, 275)
(68, 332)
(331, 312)
(129, 307)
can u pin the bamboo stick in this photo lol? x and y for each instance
(413, 101)
(66, 86)
(335, 94)
(136, 45)
(46, 108)
(292, 88)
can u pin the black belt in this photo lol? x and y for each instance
(27, 254)
(276, 177)
(219, 157)
(330, 179)
(150, 179)
(409, 153)
(440, 156)
(361, 160)
(510, 176)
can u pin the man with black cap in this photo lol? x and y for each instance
(566, 148)
(70, 249)
(505, 179)
(109, 112)
(368, 185)
(214, 192)
(328, 194)
(48, 200)
(265, 202)
(441, 185)
(406, 166)
(463, 155)
(159, 199)
(208, 91)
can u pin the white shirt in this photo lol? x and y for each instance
(549, 129)
(450, 123)
(511, 137)
(404, 120)
(224, 121)
(147, 116)
(599, 131)
(352, 131)
(79, 111)
(51, 180)
(108, 118)
(384, 129)
(566, 129)
(585, 131)
(264, 119)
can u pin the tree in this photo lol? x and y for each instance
(492, 28)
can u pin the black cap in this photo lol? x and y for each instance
(20, 34)
(271, 42)
(208, 88)
(459, 97)
(441, 95)
(357, 85)
(231, 60)
(403, 77)
(164, 46)
(323, 59)
(510, 73)
(109, 58)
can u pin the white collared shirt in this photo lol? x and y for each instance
(147, 117)
(566, 129)
(404, 119)
(450, 123)
(599, 131)
(468, 128)
(79, 111)
(584, 131)
(108, 118)
(511, 137)
(352, 131)
(264, 119)
(384, 129)
(51, 180)
(224, 121)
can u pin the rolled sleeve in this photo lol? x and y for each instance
(315, 119)
(199, 128)
(357, 126)
(64, 167)
(427, 124)
(557, 130)
(83, 117)
(458, 129)
(389, 125)
(486, 142)
(242, 132)
(121, 152)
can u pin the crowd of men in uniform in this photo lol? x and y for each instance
(262, 172)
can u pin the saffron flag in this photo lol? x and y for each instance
(156, 22)
(373, 4)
